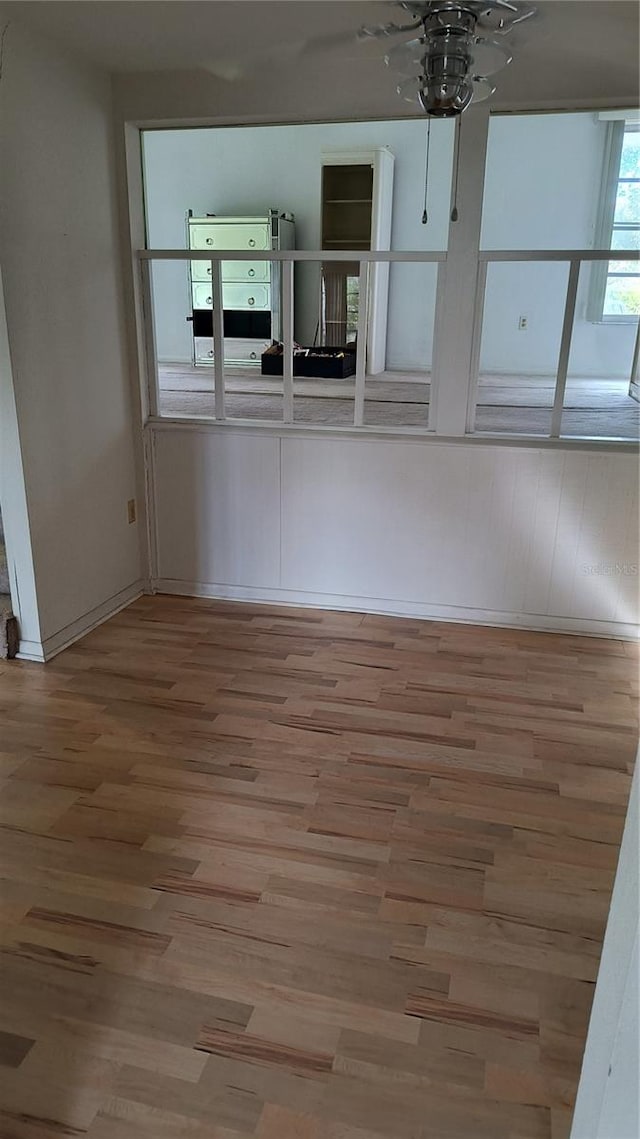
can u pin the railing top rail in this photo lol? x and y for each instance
(383, 255)
(559, 255)
(376, 255)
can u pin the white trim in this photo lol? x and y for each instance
(382, 255)
(610, 173)
(394, 608)
(416, 435)
(498, 108)
(557, 255)
(30, 650)
(51, 646)
(130, 192)
(151, 514)
(607, 1107)
(614, 116)
(149, 337)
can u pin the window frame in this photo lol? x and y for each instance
(606, 226)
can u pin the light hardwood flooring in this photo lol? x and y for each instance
(515, 404)
(299, 875)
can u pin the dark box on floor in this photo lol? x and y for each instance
(327, 363)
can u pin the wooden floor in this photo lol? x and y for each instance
(600, 408)
(302, 875)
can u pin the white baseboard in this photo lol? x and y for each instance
(416, 609)
(51, 646)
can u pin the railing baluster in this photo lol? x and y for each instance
(476, 344)
(361, 348)
(565, 348)
(437, 319)
(287, 341)
(635, 366)
(218, 338)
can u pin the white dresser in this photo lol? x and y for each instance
(251, 290)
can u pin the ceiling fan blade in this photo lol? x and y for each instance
(501, 20)
(380, 31)
(286, 52)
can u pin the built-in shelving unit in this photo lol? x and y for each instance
(357, 190)
(347, 204)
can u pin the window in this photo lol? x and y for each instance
(615, 286)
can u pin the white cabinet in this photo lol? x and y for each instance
(251, 290)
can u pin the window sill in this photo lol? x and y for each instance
(608, 320)
(414, 435)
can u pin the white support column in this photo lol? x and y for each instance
(149, 325)
(454, 334)
(361, 353)
(218, 338)
(287, 341)
(565, 349)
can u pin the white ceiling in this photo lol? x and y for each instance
(160, 35)
(574, 50)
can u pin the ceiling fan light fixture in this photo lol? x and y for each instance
(445, 99)
(447, 63)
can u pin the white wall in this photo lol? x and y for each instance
(523, 536)
(542, 188)
(58, 246)
(247, 170)
(608, 1103)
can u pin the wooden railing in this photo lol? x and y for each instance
(574, 258)
(288, 258)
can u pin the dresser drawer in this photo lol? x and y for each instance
(236, 351)
(246, 296)
(233, 296)
(232, 271)
(246, 271)
(244, 351)
(202, 295)
(230, 236)
(203, 349)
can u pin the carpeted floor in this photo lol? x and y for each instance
(520, 405)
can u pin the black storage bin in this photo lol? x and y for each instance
(327, 363)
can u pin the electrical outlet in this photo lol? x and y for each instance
(131, 510)
(522, 323)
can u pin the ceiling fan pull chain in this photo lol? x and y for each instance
(454, 212)
(425, 216)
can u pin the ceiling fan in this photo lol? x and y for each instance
(444, 56)
(447, 65)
